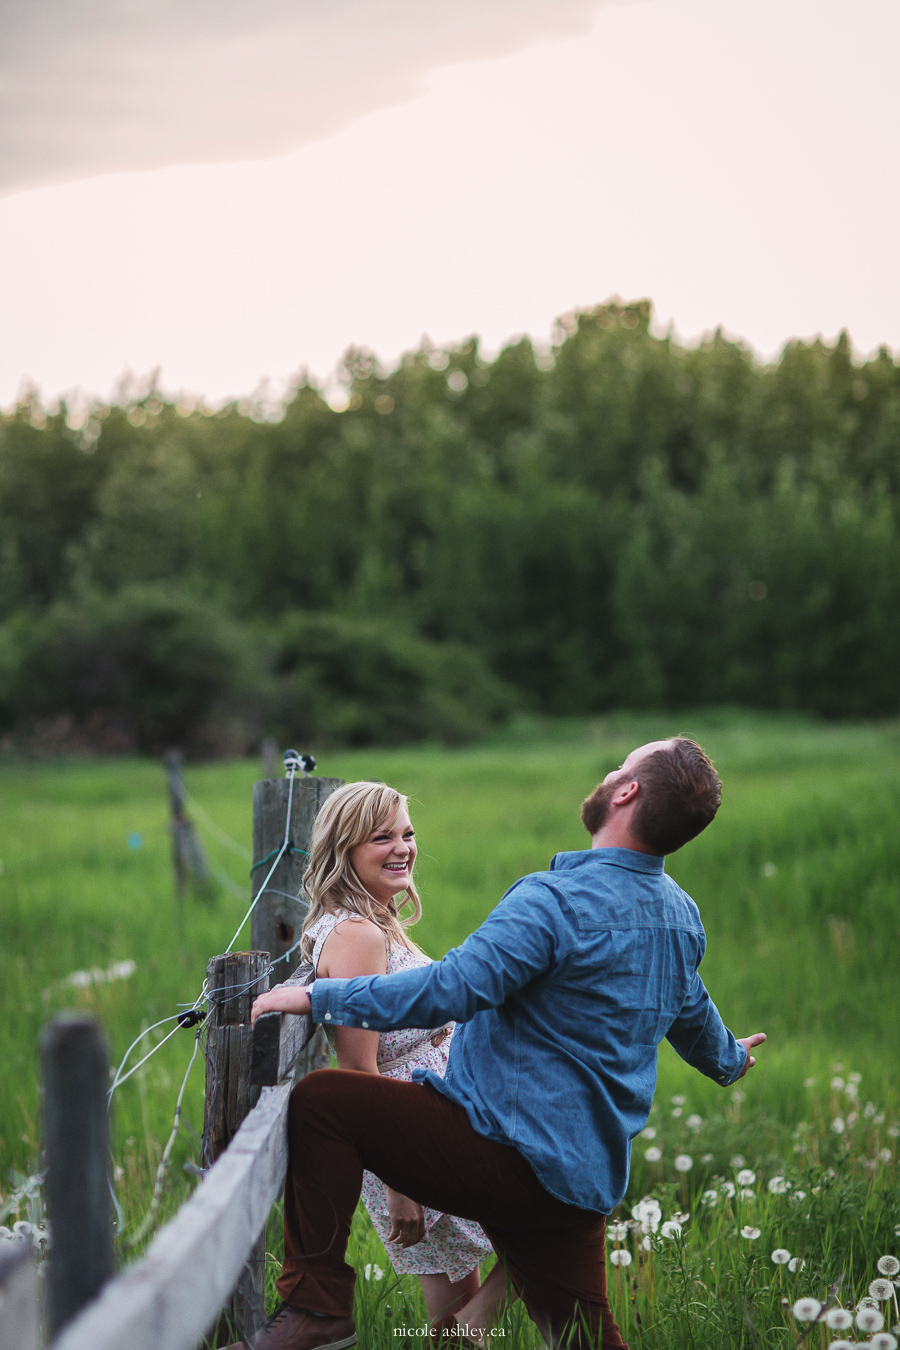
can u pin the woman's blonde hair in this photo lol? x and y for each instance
(348, 818)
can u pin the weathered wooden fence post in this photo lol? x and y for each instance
(235, 980)
(279, 913)
(76, 1142)
(188, 854)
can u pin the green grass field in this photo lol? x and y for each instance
(797, 882)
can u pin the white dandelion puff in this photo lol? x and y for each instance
(839, 1319)
(747, 1194)
(739, 1161)
(746, 1176)
(868, 1302)
(620, 1257)
(888, 1265)
(883, 1340)
(706, 1157)
(781, 1256)
(679, 1217)
(885, 1155)
(807, 1309)
(837, 1084)
(777, 1185)
(678, 1101)
(854, 1077)
(869, 1110)
(373, 1272)
(648, 1133)
(728, 1189)
(618, 1231)
(683, 1162)
(709, 1199)
(738, 1095)
(647, 1244)
(842, 1345)
(671, 1229)
(796, 1263)
(751, 1234)
(653, 1154)
(676, 1112)
(851, 1091)
(881, 1289)
(838, 1125)
(869, 1319)
(694, 1122)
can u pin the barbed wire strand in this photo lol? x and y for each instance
(161, 1170)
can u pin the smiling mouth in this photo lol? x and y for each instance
(396, 867)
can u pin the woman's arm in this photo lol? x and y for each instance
(354, 947)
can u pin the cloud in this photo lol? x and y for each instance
(99, 86)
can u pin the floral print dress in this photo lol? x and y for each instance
(451, 1245)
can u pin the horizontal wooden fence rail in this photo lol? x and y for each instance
(168, 1299)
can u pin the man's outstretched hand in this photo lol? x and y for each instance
(749, 1043)
(285, 998)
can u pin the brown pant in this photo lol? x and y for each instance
(423, 1146)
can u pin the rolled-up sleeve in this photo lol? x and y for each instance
(517, 942)
(700, 1037)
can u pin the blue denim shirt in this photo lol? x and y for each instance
(564, 993)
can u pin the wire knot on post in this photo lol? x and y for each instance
(293, 761)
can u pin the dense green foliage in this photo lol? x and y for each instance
(623, 522)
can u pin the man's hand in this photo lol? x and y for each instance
(407, 1219)
(290, 998)
(749, 1043)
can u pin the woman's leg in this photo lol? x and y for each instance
(443, 1297)
(487, 1303)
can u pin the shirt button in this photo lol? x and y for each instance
(365, 1024)
(328, 1017)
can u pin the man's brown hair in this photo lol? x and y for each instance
(680, 794)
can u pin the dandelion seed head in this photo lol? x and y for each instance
(869, 1110)
(781, 1256)
(679, 1217)
(854, 1077)
(618, 1231)
(747, 1194)
(620, 1257)
(739, 1161)
(839, 1319)
(869, 1319)
(653, 1154)
(706, 1157)
(851, 1091)
(671, 1229)
(883, 1340)
(751, 1234)
(837, 1083)
(694, 1122)
(746, 1176)
(738, 1095)
(888, 1265)
(648, 1133)
(893, 1133)
(881, 1289)
(842, 1345)
(795, 1264)
(728, 1189)
(807, 1309)
(777, 1185)
(868, 1302)
(646, 1244)
(683, 1162)
(709, 1198)
(838, 1125)
(676, 1112)
(678, 1101)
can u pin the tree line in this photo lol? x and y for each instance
(623, 521)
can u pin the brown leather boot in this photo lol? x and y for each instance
(291, 1329)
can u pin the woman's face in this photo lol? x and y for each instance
(384, 862)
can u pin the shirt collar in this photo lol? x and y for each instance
(628, 858)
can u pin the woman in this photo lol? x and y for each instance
(360, 876)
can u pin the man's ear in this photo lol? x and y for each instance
(626, 793)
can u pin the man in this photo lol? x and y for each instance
(563, 994)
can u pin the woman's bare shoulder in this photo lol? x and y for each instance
(355, 946)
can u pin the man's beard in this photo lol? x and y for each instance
(595, 811)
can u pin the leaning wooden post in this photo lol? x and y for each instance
(188, 855)
(233, 982)
(76, 1142)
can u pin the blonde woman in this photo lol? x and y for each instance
(359, 879)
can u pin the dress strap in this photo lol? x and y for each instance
(323, 928)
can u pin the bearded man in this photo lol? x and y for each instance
(563, 996)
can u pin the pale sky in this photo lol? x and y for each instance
(232, 190)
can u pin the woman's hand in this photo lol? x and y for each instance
(407, 1219)
(290, 998)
